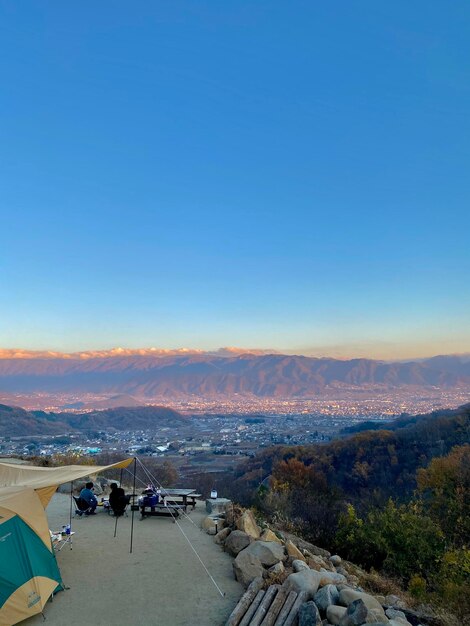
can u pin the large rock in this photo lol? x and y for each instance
(309, 615)
(65, 488)
(315, 562)
(347, 596)
(335, 560)
(217, 505)
(307, 580)
(222, 535)
(208, 524)
(331, 578)
(298, 565)
(268, 552)
(395, 614)
(276, 569)
(97, 489)
(305, 545)
(268, 535)
(326, 596)
(236, 542)
(247, 567)
(335, 613)
(293, 551)
(357, 614)
(247, 523)
(212, 524)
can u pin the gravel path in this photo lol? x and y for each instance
(161, 583)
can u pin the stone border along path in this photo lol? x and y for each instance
(317, 589)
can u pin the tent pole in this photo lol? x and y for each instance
(133, 502)
(116, 520)
(70, 516)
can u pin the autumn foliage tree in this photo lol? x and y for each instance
(445, 488)
(300, 495)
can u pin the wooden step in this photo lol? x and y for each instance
(244, 603)
(271, 607)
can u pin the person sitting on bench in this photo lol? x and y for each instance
(117, 499)
(89, 497)
(148, 499)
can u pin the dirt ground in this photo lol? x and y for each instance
(161, 583)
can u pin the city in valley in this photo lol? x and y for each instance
(219, 434)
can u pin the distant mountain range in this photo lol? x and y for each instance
(179, 376)
(16, 422)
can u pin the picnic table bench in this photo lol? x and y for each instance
(166, 502)
(159, 509)
(182, 497)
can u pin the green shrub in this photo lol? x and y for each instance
(418, 588)
(399, 540)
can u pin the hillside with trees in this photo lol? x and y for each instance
(394, 500)
(367, 466)
(16, 422)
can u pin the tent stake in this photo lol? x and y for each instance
(132, 507)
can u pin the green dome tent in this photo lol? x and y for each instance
(29, 573)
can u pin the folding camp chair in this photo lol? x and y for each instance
(81, 506)
(123, 504)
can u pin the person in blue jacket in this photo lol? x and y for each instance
(87, 494)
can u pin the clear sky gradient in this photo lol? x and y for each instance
(290, 175)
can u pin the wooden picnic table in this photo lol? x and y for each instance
(180, 496)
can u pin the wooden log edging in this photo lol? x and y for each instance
(272, 607)
(265, 604)
(275, 607)
(244, 603)
(301, 598)
(253, 608)
(281, 618)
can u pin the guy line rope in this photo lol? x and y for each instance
(154, 481)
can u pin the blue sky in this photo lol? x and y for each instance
(289, 175)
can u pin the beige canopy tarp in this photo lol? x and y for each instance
(45, 480)
(23, 501)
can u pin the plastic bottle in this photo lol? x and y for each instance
(67, 529)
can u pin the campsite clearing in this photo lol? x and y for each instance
(161, 582)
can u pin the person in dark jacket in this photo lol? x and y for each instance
(117, 499)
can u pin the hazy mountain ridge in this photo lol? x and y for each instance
(16, 422)
(273, 375)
